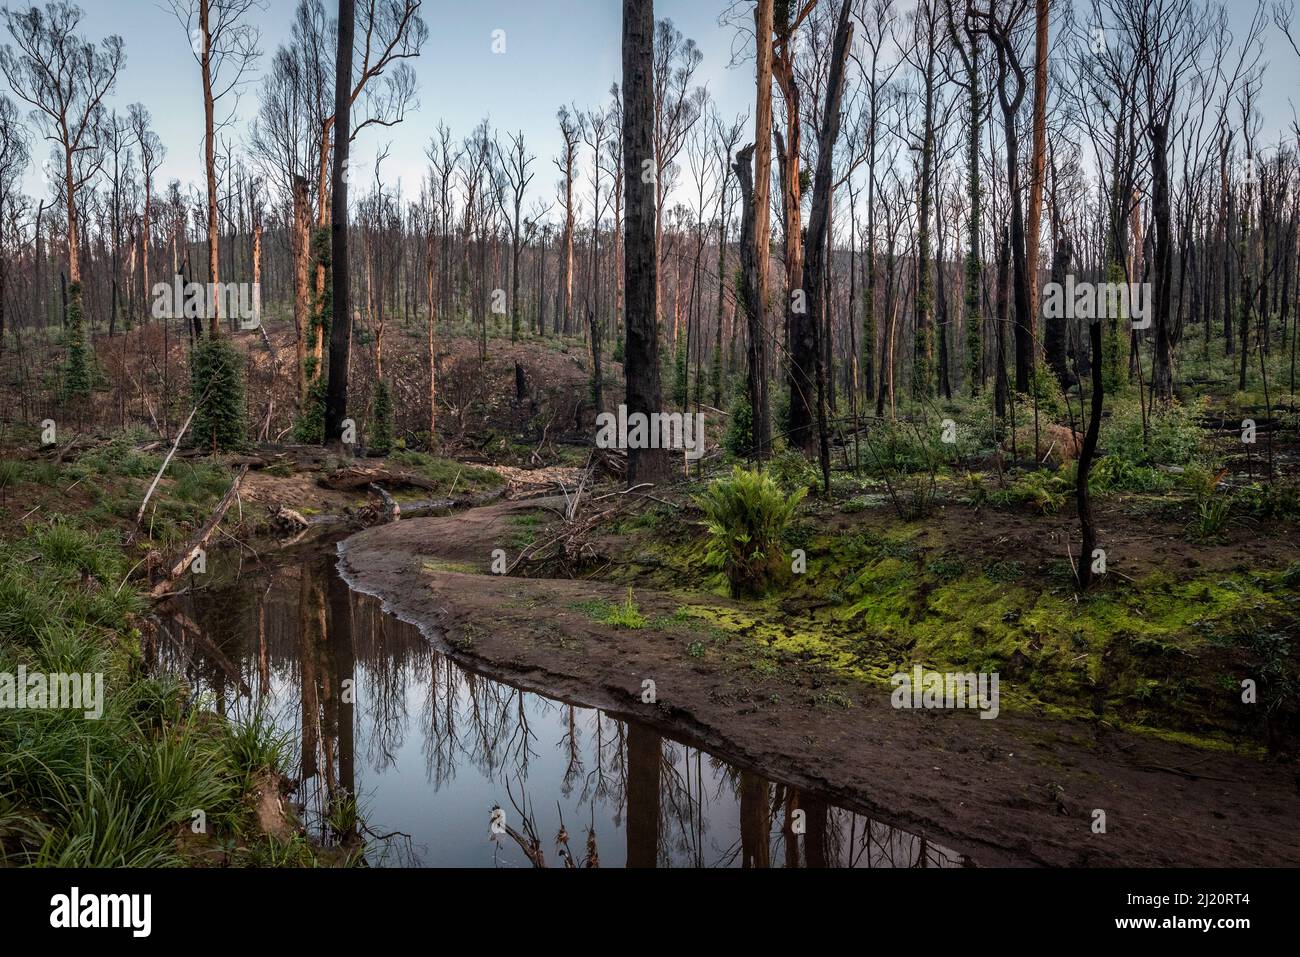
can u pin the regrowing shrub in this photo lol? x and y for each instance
(217, 390)
(746, 516)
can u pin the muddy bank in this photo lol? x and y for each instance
(1012, 791)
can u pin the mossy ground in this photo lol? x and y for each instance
(1161, 651)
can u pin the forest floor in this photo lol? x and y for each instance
(1021, 789)
(1127, 700)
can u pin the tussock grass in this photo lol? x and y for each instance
(117, 791)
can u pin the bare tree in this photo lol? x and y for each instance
(336, 397)
(514, 164)
(65, 79)
(152, 153)
(571, 127)
(225, 45)
(678, 107)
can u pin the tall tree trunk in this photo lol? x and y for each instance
(975, 196)
(642, 351)
(1086, 456)
(799, 316)
(433, 357)
(1037, 162)
(819, 232)
(145, 240)
(566, 279)
(301, 248)
(210, 169)
(923, 379)
(759, 206)
(1162, 383)
(336, 399)
(1054, 330)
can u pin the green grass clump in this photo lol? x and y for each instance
(118, 790)
(625, 615)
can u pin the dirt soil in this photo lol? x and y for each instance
(1018, 790)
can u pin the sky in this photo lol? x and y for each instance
(556, 52)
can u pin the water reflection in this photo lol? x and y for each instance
(400, 749)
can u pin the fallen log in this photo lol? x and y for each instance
(350, 479)
(178, 568)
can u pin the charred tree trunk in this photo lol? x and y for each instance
(818, 237)
(1054, 330)
(1086, 456)
(1162, 375)
(210, 168)
(301, 247)
(751, 300)
(336, 398)
(642, 350)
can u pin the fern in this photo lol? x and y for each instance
(746, 516)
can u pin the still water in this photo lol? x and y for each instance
(429, 749)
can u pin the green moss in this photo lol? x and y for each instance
(459, 568)
(1141, 649)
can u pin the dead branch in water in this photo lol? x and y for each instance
(393, 510)
(201, 538)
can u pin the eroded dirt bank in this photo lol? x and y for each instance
(1012, 791)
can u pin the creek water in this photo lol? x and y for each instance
(429, 749)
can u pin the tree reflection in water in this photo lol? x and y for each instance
(393, 737)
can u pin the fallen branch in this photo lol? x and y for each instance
(139, 516)
(201, 539)
(76, 440)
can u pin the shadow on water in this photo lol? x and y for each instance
(425, 749)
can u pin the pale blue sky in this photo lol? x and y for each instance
(558, 51)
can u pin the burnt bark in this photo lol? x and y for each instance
(336, 397)
(818, 232)
(642, 350)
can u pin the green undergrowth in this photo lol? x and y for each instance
(124, 789)
(103, 487)
(625, 614)
(452, 477)
(1166, 653)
